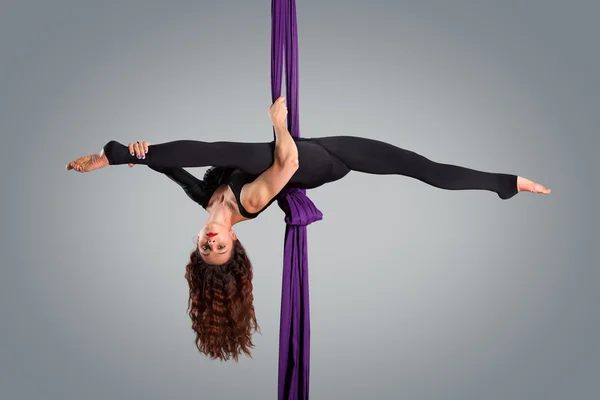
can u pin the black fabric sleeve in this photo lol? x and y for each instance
(196, 189)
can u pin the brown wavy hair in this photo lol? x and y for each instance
(221, 305)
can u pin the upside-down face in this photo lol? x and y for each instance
(215, 243)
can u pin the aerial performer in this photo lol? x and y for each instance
(244, 179)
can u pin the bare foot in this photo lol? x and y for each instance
(525, 185)
(88, 163)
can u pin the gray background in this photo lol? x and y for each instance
(453, 295)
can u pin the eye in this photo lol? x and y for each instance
(204, 247)
(221, 247)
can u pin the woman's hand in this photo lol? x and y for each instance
(278, 112)
(138, 149)
(88, 163)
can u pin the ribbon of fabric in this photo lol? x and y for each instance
(294, 329)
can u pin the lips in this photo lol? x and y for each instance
(211, 234)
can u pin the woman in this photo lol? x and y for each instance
(244, 180)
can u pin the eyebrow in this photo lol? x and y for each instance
(217, 253)
(226, 250)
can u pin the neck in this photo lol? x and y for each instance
(221, 214)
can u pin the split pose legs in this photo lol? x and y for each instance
(321, 160)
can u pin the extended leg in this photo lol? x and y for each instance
(252, 158)
(376, 157)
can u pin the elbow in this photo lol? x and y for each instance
(253, 205)
(290, 163)
(293, 163)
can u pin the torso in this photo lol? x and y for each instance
(231, 192)
(224, 195)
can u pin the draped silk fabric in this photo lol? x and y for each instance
(294, 331)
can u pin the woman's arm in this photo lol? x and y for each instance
(195, 188)
(257, 194)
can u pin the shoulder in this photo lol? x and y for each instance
(249, 201)
(252, 200)
(263, 190)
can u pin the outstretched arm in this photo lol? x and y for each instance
(195, 188)
(192, 186)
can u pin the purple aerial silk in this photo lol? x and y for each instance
(294, 330)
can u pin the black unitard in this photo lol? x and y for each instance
(321, 160)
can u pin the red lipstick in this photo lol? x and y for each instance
(211, 234)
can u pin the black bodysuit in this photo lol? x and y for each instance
(321, 160)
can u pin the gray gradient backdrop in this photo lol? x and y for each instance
(453, 295)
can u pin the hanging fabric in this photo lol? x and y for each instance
(294, 330)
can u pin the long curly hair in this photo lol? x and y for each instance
(221, 305)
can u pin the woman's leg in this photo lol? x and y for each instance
(252, 158)
(317, 165)
(376, 157)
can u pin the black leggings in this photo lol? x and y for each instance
(322, 160)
